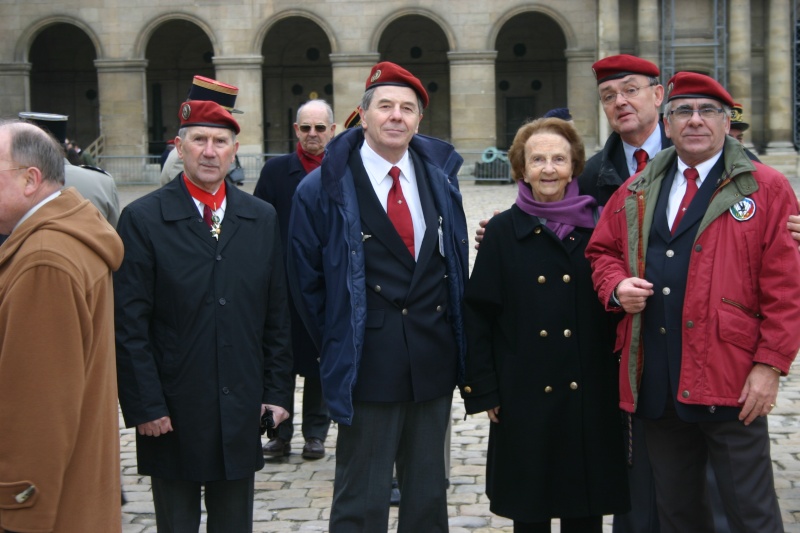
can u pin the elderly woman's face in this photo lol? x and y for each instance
(548, 166)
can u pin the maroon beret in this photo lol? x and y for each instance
(694, 85)
(387, 73)
(621, 65)
(206, 113)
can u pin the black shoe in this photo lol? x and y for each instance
(314, 449)
(394, 499)
(277, 447)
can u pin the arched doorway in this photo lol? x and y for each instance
(297, 68)
(419, 45)
(176, 52)
(530, 72)
(64, 79)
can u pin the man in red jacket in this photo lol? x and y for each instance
(694, 250)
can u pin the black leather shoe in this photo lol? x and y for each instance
(277, 447)
(314, 449)
(394, 499)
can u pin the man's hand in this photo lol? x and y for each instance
(482, 229)
(494, 414)
(156, 428)
(633, 293)
(793, 225)
(759, 394)
(279, 414)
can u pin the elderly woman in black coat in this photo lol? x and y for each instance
(540, 348)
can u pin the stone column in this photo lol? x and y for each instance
(245, 73)
(779, 87)
(739, 56)
(582, 97)
(123, 105)
(648, 24)
(472, 95)
(607, 45)
(350, 73)
(15, 88)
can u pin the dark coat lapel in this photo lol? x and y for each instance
(430, 242)
(177, 205)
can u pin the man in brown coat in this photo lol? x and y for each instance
(59, 443)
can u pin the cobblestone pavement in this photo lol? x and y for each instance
(293, 494)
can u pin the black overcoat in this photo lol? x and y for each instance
(202, 332)
(278, 180)
(539, 345)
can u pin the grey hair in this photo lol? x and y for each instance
(319, 101)
(31, 146)
(183, 131)
(366, 100)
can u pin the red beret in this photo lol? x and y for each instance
(694, 85)
(387, 73)
(619, 66)
(206, 113)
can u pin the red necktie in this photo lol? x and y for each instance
(399, 214)
(207, 215)
(641, 159)
(691, 175)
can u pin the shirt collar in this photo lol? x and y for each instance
(378, 168)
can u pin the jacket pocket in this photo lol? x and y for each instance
(738, 325)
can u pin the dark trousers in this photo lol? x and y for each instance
(586, 524)
(229, 504)
(741, 462)
(410, 434)
(316, 421)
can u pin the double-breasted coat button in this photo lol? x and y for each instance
(468, 389)
(567, 333)
(685, 394)
(543, 333)
(665, 291)
(670, 253)
(377, 288)
(566, 278)
(405, 312)
(438, 308)
(537, 231)
(225, 390)
(222, 301)
(548, 389)
(662, 330)
(541, 279)
(573, 386)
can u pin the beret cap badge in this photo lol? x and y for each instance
(375, 76)
(186, 111)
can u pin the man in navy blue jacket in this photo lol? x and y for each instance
(378, 259)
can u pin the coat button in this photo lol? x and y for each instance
(405, 312)
(566, 278)
(689, 324)
(698, 248)
(222, 301)
(377, 288)
(538, 230)
(665, 291)
(567, 333)
(548, 389)
(541, 279)
(685, 394)
(468, 389)
(670, 253)
(543, 333)
(438, 308)
(226, 390)
(662, 330)
(573, 386)
(219, 258)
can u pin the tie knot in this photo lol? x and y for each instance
(640, 156)
(691, 174)
(394, 172)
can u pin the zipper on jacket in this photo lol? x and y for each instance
(743, 308)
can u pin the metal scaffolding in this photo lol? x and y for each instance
(719, 42)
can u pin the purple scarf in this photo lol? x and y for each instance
(563, 216)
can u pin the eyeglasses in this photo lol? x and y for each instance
(12, 168)
(706, 113)
(319, 128)
(627, 93)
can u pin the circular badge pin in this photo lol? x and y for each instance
(186, 111)
(743, 210)
(375, 76)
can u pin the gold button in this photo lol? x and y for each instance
(468, 389)
(538, 230)
(541, 279)
(567, 333)
(573, 386)
(543, 333)
(548, 389)
(685, 394)
(377, 288)
(405, 312)
(566, 278)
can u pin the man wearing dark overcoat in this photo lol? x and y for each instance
(202, 321)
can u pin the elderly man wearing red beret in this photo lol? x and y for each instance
(202, 331)
(377, 265)
(694, 251)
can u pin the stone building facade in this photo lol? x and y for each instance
(120, 69)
